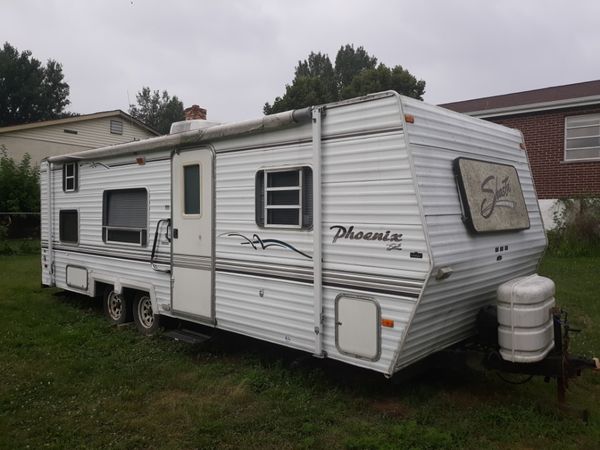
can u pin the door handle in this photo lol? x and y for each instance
(175, 233)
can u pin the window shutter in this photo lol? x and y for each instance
(76, 174)
(307, 198)
(259, 203)
(64, 177)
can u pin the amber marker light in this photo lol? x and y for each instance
(409, 118)
(140, 160)
(389, 323)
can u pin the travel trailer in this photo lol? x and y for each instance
(371, 231)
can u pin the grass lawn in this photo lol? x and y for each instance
(69, 380)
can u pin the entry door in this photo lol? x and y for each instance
(192, 249)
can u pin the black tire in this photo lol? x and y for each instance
(145, 318)
(117, 308)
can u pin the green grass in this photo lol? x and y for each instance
(69, 380)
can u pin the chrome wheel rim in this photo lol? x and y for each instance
(145, 312)
(115, 306)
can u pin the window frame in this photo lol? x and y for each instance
(60, 229)
(302, 207)
(143, 232)
(119, 124)
(66, 177)
(566, 128)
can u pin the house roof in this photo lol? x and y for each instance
(555, 97)
(83, 117)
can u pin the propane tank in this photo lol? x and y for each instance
(525, 327)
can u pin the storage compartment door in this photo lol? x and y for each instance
(357, 327)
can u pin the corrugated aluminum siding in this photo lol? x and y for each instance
(367, 183)
(446, 312)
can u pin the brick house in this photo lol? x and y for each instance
(561, 125)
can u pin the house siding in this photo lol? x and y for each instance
(52, 140)
(544, 134)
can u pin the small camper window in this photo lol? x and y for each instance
(68, 225)
(125, 216)
(70, 175)
(191, 189)
(284, 198)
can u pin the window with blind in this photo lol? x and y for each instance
(283, 198)
(125, 216)
(582, 137)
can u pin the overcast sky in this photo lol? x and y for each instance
(232, 56)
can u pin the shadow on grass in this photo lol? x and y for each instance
(79, 301)
(420, 382)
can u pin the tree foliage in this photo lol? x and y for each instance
(355, 73)
(19, 184)
(29, 90)
(157, 110)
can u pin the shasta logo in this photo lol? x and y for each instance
(497, 193)
(394, 240)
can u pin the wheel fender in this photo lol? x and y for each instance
(146, 287)
(120, 283)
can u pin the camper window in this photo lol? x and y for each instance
(70, 177)
(191, 189)
(284, 198)
(125, 216)
(68, 225)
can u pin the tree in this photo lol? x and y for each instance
(350, 62)
(355, 73)
(157, 110)
(19, 184)
(314, 83)
(29, 90)
(383, 78)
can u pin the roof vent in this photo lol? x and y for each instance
(189, 125)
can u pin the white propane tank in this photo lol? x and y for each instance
(525, 331)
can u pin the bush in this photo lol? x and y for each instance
(19, 193)
(577, 231)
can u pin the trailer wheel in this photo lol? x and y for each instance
(116, 307)
(146, 321)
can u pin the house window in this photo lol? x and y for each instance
(191, 189)
(284, 198)
(70, 175)
(68, 225)
(582, 137)
(125, 216)
(116, 127)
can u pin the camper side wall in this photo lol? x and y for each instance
(375, 259)
(104, 217)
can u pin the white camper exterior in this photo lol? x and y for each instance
(338, 230)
